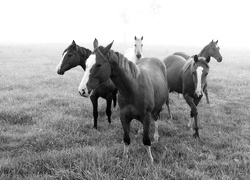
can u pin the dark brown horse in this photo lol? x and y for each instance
(188, 78)
(75, 55)
(212, 49)
(142, 88)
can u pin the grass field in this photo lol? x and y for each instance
(46, 127)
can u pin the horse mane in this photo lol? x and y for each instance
(81, 50)
(123, 62)
(190, 63)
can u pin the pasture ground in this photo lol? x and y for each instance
(46, 127)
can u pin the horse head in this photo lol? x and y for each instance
(199, 72)
(214, 50)
(138, 47)
(98, 69)
(71, 58)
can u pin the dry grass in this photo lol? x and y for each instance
(46, 127)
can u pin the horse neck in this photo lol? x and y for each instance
(84, 54)
(204, 52)
(123, 73)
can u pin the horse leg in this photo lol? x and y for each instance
(206, 94)
(156, 134)
(146, 139)
(126, 130)
(94, 100)
(169, 113)
(114, 97)
(193, 113)
(196, 127)
(108, 108)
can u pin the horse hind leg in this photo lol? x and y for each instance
(206, 94)
(169, 112)
(108, 108)
(156, 134)
(126, 130)
(114, 98)
(146, 139)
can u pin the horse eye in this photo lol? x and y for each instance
(135, 45)
(69, 55)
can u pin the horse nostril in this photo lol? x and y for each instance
(82, 92)
(138, 56)
(60, 72)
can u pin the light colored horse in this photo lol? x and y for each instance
(135, 53)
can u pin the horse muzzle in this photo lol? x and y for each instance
(60, 72)
(85, 93)
(198, 94)
(138, 56)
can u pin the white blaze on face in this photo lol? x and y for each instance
(58, 67)
(199, 74)
(82, 88)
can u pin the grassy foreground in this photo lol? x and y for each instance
(46, 127)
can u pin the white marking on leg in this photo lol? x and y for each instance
(82, 88)
(58, 67)
(156, 135)
(199, 73)
(140, 130)
(150, 154)
(125, 151)
(190, 123)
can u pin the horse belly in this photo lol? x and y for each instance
(174, 65)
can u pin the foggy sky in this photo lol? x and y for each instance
(193, 22)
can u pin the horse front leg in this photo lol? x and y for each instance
(193, 114)
(126, 130)
(94, 100)
(108, 107)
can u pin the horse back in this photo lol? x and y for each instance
(182, 54)
(154, 80)
(174, 65)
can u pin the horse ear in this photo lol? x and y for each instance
(195, 58)
(142, 38)
(73, 42)
(108, 47)
(216, 42)
(95, 44)
(212, 41)
(208, 59)
(135, 38)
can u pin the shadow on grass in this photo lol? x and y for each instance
(16, 118)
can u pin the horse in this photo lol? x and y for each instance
(135, 53)
(189, 78)
(75, 55)
(142, 88)
(212, 49)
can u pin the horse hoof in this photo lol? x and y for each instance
(156, 138)
(195, 135)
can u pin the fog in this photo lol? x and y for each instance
(179, 22)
